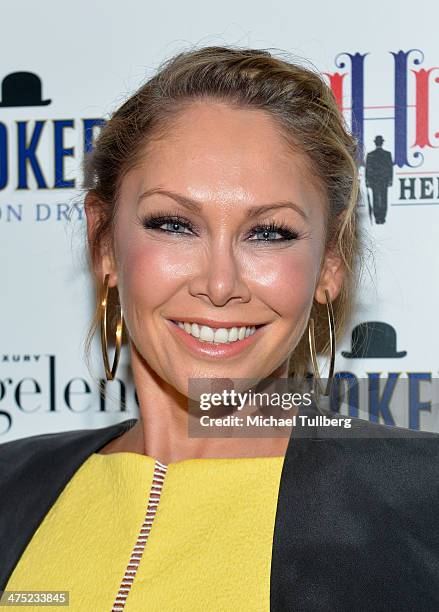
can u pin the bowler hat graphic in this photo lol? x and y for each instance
(378, 140)
(22, 89)
(373, 339)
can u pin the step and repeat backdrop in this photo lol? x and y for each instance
(64, 70)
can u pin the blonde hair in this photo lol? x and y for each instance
(305, 110)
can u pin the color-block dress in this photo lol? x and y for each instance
(131, 533)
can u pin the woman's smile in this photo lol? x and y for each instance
(217, 342)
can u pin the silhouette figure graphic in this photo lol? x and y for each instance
(379, 177)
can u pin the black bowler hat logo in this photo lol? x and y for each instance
(373, 339)
(22, 89)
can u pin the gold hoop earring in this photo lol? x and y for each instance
(312, 348)
(110, 373)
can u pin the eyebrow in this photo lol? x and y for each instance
(195, 207)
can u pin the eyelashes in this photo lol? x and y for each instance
(279, 227)
(156, 221)
(177, 223)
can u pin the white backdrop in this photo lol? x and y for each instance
(382, 59)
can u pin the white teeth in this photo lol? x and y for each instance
(233, 334)
(206, 333)
(219, 336)
(195, 330)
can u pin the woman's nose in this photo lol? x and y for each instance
(219, 279)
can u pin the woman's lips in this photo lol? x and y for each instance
(209, 349)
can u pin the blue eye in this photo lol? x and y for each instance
(174, 222)
(175, 225)
(272, 228)
(265, 235)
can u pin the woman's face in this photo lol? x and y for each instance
(187, 247)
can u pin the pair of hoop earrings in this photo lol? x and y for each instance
(111, 372)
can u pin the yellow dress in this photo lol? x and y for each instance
(201, 540)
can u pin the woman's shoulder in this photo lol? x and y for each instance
(33, 472)
(360, 453)
(54, 440)
(357, 510)
(43, 460)
(392, 445)
(327, 424)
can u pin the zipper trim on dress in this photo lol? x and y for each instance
(136, 554)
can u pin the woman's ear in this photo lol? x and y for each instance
(331, 277)
(100, 247)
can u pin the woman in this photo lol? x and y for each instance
(222, 208)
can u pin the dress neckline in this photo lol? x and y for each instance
(130, 456)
